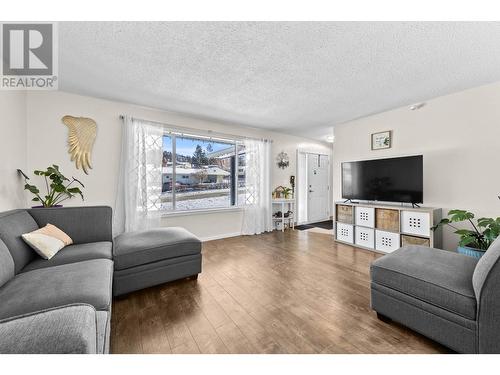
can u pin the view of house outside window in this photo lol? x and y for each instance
(207, 173)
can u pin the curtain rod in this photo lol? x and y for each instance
(211, 133)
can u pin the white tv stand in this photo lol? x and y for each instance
(385, 227)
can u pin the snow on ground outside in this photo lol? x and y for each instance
(202, 203)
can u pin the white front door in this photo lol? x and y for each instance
(318, 187)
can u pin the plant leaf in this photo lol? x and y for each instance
(455, 212)
(76, 190)
(32, 188)
(460, 215)
(485, 221)
(59, 188)
(441, 223)
(464, 232)
(466, 241)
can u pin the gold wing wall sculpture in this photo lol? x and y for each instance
(81, 137)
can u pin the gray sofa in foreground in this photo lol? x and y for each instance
(63, 305)
(448, 297)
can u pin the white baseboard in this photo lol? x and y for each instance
(220, 236)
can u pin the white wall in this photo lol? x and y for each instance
(459, 136)
(47, 138)
(12, 148)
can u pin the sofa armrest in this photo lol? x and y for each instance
(63, 330)
(82, 224)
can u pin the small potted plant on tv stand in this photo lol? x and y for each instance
(58, 187)
(475, 241)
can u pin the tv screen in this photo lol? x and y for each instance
(388, 180)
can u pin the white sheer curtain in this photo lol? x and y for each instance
(257, 210)
(138, 201)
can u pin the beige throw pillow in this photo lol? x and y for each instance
(47, 241)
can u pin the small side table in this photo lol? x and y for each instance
(288, 205)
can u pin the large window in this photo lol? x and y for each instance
(202, 173)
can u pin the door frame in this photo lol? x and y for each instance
(299, 176)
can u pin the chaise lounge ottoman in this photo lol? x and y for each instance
(151, 257)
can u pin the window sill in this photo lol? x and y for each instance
(201, 212)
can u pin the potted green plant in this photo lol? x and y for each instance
(475, 241)
(287, 192)
(58, 187)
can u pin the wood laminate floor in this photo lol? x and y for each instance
(292, 292)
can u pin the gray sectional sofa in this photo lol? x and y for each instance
(63, 305)
(448, 297)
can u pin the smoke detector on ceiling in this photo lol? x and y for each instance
(416, 106)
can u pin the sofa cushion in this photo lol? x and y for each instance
(87, 282)
(62, 330)
(138, 248)
(82, 224)
(6, 264)
(438, 277)
(73, 254)
(12, 225)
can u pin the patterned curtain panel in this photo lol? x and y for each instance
(257, 216)
(138, 204)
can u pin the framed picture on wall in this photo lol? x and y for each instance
(382, 140)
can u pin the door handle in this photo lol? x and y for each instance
(311, 191)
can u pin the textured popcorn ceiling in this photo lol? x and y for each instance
(295, 77)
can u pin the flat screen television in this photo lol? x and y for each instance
(387, 180)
